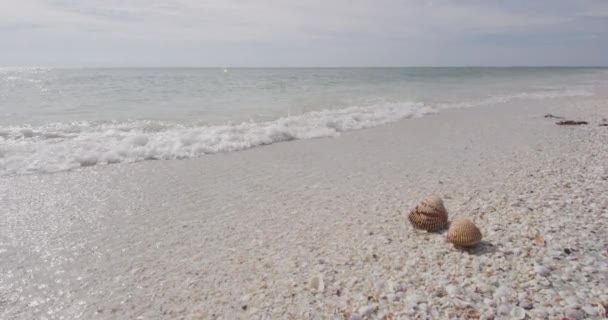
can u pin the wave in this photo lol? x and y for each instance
(64, 146)
(537, 95)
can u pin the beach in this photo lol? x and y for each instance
(317, 228)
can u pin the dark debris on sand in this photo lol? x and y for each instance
(571, 123)
(548, 115)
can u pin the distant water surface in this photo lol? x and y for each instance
(58, 119)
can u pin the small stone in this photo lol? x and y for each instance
(502, 291)
(542, 271)
(571, 301)
(423, 307)
(518, 313)
(414, 299)
(392, 297)
(590, 310)
(355, 316)
(366, 311)
(540, 312)
(316, 283)
(527, 305)
(574, 314)
(397, 287)
(380, 285)
(453, 290)
(488, 315)
(522, 296)
(503, 310)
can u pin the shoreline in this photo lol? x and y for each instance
(242, 234)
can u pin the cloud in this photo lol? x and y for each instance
(293, 32)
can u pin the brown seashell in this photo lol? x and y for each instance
(429, 214)
(539, 239)
(463, 233)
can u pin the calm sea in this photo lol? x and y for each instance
(58, 119)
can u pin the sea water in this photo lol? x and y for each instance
(59, 119)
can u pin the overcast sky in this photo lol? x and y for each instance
(303, 32)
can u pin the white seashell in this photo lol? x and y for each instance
(367, 311)
(430, 214)
(463, 233)
(453, 290)
(316, 283)
(518, 313)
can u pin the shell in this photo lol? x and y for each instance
(316, 283)
(429, 214)
(518, 313)
(464, 233)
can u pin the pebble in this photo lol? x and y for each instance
(367, 311)
(453, 290)
(590, 310)
(502, 291)
(488, 315)
(503, 309)
(571, 301)
(423, 307)
(518, 313)
(414, 299)
(316, 283)
(392, 297)
(355, 316)
(542, 270)
(575, 314)
(526, 305)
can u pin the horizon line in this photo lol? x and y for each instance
(302, 67)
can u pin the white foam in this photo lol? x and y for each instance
(64, 146)
(536, 95)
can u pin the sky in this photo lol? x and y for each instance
(302, 33)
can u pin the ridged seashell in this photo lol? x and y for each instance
(429, 214)
(463, 233)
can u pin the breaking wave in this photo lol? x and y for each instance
(64, 146)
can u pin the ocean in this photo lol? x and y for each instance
(55, 120)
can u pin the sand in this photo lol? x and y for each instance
(316, 229)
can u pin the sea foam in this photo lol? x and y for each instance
(64, 146)
(535, 95)
(58, 147)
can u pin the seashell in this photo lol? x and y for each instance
(316, 283)
(518, 313)
(539, 239)
(463, 233)
(429, 214)
(601, 310)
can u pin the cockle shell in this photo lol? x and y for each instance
(463, 233)
(429, 214)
